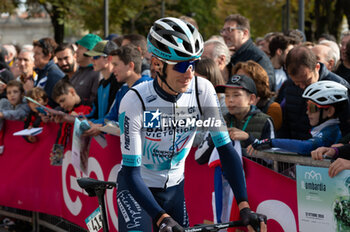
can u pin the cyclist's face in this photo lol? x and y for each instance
(179, 81)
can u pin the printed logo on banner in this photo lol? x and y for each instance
(313, 175)
(151, 119)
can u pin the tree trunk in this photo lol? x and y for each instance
(57, 23)
(338, 18)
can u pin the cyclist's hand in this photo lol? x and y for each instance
(262, 144)
(254, 221)
(170, 225)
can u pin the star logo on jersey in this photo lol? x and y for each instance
(151, 119)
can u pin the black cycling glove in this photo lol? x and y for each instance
(262, 144)
(249, 217)
(170, 225)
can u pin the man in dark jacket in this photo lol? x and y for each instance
(236, 33)
(48, 72)
(304, 70)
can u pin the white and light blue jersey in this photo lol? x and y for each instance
(157, 129)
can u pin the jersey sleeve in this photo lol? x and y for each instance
(130, 122)
(211, 111)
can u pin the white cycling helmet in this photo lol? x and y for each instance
(175, 40)
(326, 92)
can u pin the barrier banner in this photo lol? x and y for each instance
(274, 195)
(323, 202)
(29, 182)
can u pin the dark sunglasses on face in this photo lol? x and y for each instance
(182, 67)
(313, 107)
(98, 57)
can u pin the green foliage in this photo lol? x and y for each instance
(264, 16)
(137, 16)
(8, 6)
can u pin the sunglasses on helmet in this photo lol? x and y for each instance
(313, 107)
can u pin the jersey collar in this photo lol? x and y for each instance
(164, 95)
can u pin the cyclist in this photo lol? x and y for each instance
(158, 121)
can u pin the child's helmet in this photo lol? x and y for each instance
(326, 92)
(175, 40)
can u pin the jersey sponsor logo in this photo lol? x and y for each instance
(151, 98)
(126, 133)
(131, 160)
(151, 119)
(179, 142)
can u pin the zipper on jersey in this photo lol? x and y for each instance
(174, 136)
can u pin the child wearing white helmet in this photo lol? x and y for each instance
(325, 100)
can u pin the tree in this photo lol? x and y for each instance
(58, 10)
(8, 6)
(328, 16)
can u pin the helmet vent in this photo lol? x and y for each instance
(197, 45)
(181, 54)
(338, 96)
(314, 92)
(169, 38)
(162, 47)
(190, 27)
(178, 29)
(187, 46)
(322, 99)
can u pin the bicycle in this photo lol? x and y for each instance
(98, 188)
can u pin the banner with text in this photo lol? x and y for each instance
(29, 182)
(323, 202)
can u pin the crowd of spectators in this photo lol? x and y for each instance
(97, 73)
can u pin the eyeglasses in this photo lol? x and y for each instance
(313, 107)
(229, 29)
(182, 66)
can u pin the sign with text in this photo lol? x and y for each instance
(323, 202)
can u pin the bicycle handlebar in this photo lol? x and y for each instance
(215, 227)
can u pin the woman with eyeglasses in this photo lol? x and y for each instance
(326, 99)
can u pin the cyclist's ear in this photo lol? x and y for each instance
(157, 65)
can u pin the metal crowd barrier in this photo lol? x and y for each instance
(37, 221)
(284, 162)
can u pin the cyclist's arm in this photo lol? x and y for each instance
(130, 121)
(230, 160)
